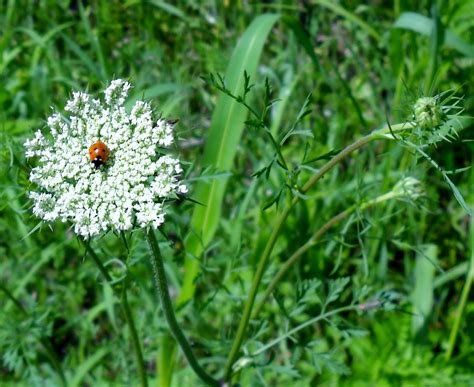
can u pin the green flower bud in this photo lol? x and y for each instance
(428, 113)
(409, 187)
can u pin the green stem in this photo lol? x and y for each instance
(460, 310)
(464, 295)
(312, 241)
(135, 340)
(384, 133)
(127, 313)
(162, 287)
(103, 270)
(296, 255)
(304, 325)
(43, 340)
(165, 360)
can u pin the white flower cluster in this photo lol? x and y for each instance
(131, 186)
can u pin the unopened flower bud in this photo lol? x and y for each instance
(428, 113)
(409, 187)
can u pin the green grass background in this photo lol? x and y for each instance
(367, 64)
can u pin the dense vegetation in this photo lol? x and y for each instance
(382, 295)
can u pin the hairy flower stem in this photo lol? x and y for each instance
(50, 354)
(384, 133)
(127, 314)
(313, 240)
(162, 287)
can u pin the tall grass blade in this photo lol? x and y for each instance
(341, 11)
(424, 25)
(87, 366)
(424, 285)
(224, 136)
(154, 92)
(93, 67)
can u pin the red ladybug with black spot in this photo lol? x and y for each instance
(98, 154)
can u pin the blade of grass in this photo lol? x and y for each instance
(424, 25)
(467, 284)
(224, 136)
(165, 361)
(154, 92)
(422, 295)
(306, 43)
(437, 35)
(84, 57)
(87, 366)
(169, 8)
(94, 40)
(451, 275)
(338, 10)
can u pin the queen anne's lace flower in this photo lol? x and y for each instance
(128, 190)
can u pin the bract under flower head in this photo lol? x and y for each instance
(129, 190)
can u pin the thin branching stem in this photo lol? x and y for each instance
(127, 314)
(312, 241)
(162, 288)
(384, 133)
(312, 321)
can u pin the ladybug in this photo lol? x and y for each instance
(98, 154)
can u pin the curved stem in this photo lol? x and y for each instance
(459, 312)
(296, 255)
(464, 294)
(312, 241)
(127, 313)
(162, 287)
(384, 133)
(253, 292)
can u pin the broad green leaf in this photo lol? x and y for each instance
(222, 141)
(424, 25)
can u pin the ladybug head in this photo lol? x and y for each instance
(98, 162)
